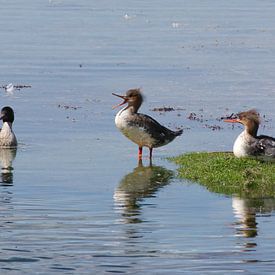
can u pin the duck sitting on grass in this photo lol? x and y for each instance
(248, 143)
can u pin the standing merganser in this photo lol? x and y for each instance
(7, 136)
(139, 128)
(248, 143)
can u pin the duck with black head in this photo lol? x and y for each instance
(7, 136)
(248, 143)
(140, 128)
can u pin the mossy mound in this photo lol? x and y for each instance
(221, 172)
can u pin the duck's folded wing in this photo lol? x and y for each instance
(151, 125)
(267, 145)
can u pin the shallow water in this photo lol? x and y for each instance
(76, 200)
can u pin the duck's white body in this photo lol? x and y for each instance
(260, 146)
(7, 136)
(134, 132)
(242, 145)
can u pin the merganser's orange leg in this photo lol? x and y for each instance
(139, 152)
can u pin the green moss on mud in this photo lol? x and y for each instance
(221, 172)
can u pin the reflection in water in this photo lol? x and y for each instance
(7, 155)
(246, 211)
(142, 183)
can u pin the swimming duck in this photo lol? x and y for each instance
(10, 88)
(248, 143)
(7, 136)
(140, 128)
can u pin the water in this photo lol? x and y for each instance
(76, 200)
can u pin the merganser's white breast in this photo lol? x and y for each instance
(121, 119)
(242, 146)
(247, 145)
(7, 136)
(137, 133)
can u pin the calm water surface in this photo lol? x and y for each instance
(76, 201)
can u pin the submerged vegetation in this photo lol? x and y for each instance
(221, 172)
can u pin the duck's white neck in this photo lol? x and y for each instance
(124, 116)
(130, 110)
(6, 128)
(243, 143)
(126, 112)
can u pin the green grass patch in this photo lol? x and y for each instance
(221, 172)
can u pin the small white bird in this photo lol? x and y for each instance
(175, 25)
(127, 16)
(10, 88)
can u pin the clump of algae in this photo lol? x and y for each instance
(221, 172)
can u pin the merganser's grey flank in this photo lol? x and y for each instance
(7, 136)
(140, 128)
(248, 143)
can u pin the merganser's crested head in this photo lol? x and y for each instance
(133, 97)
(250, 119)
(7, 114)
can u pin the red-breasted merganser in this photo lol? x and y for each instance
(139, 128)
(7, 136)
(248, 143)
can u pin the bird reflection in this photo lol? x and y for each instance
(142, 183)
(7, 155)
(246, 211)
